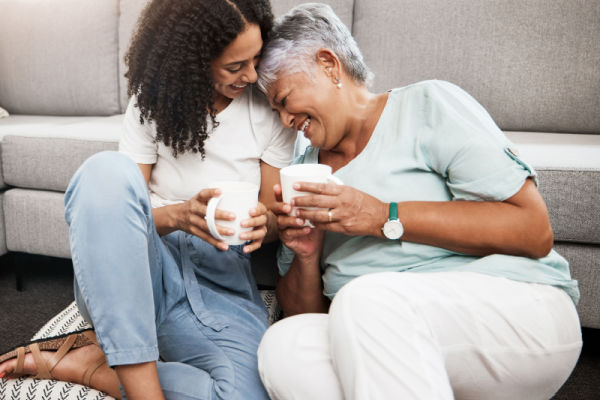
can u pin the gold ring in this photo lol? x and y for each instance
(330, 216)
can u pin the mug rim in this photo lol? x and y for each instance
(233, 186)
(305, 170)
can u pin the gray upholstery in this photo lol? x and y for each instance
(129, 12)
(35, 222)
(59, 57)
(2, 229)
(46, 163)
(585, 268)
(343, 8)
(533, 64)
(570, 196)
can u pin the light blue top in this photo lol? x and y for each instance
(433, 142)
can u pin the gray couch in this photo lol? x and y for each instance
(533, 65)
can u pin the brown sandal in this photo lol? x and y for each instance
(61, 345)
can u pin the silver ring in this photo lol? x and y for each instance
(329, 214)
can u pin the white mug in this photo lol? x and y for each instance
(236, 197)
(318, 173)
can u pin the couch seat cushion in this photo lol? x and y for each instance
(41, 152)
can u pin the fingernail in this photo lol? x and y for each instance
(299, 221)
(223, 246)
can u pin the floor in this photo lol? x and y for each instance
(48, 288)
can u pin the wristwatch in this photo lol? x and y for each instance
(393, 228)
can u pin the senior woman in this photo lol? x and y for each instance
(436, 253)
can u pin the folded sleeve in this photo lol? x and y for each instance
(280, 149)
(138, 140)
(465, 146)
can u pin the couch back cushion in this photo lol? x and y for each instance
(533, 64)
(59, 57)
(343, 8)
(130, 11)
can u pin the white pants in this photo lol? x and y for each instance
(429, 336)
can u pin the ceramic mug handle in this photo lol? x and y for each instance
(211, 208)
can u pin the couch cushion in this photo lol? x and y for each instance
(569, 176)
(35, 222)
(44, 152)
(59, 57)
(583, 260)
(2, 229)
(533, 64)
(130, 11)
(343, 8)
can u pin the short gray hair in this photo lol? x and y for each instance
(298, 35)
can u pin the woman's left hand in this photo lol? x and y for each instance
(344, 209)
(258, 222)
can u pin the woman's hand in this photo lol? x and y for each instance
(344, 209)
(258, 223)
(302, 240)
(189, 217)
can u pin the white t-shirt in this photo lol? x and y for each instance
(248, 131)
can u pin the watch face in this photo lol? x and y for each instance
(393, 229)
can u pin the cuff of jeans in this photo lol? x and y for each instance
(136, 356)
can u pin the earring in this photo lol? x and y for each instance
(338, 83)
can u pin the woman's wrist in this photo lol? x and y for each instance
(166, 218)
(272, 227)
(381, 216)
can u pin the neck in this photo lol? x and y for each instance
(221, 102)
(362, 110)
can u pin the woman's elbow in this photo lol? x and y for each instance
(541, 243)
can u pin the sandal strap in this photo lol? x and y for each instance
(87, 376)
(42, 368)
(60, 353)
(90, 335)
(20, 360)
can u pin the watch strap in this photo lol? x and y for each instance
(393, 211)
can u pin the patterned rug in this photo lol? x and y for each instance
(70, 320)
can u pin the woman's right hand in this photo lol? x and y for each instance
(190, 217)
(304, 241)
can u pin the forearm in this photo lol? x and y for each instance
(476, 228)
(300, 290)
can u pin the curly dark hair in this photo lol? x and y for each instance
(169, 63)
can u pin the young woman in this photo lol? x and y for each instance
(430, 273)
(148, 275)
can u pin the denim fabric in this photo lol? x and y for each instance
(176, 296)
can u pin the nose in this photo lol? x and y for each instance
(287, 119)
(250, 73)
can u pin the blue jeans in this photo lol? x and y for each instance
(175, 297)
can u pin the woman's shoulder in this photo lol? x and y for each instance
(429, 88)
(258, 101)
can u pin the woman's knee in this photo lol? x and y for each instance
(107, 168)
(104, 178)
(291, 349)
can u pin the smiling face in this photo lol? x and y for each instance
(234, 69)
(309, 104)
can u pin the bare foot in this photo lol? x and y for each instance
(71, 369)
